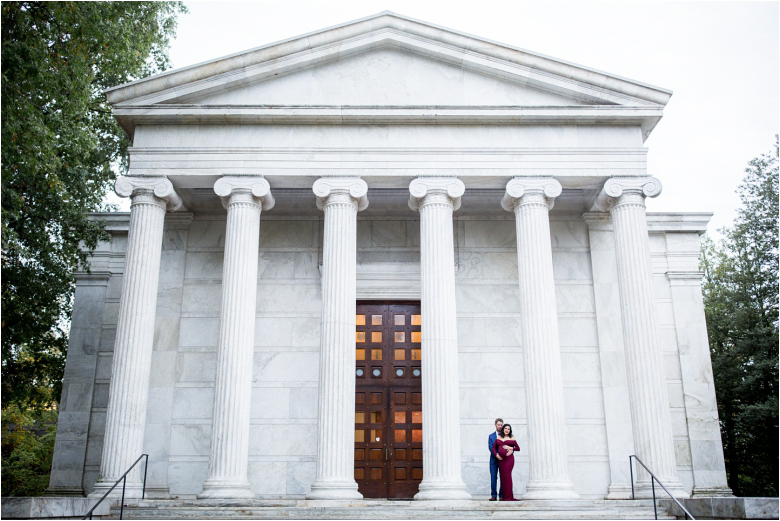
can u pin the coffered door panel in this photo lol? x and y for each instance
(388, 400)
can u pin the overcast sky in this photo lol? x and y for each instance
(721, 59)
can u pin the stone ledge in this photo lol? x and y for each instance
(382, 509)
(43, 507)
(725, 507)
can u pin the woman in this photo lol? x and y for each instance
(505, 446)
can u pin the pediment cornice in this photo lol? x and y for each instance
(131, 115)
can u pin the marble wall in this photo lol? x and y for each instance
(690, 381)
(284, 392)
(491, 360)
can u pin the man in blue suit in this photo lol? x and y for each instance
(494, 461)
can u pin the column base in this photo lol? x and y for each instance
(618, 492)
(644, 490)
(226, 489)
(158, 492)
(712, 492)
(133, 490)
(437, 491)
(334, 490)
(550, 490)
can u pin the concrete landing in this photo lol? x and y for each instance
(384, 509)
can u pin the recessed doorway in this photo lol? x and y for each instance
(388, 399)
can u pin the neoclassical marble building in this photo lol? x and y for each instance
(349, 251)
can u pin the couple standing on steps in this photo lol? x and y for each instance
(502, 446)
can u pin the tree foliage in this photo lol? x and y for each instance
(61, 149)
(27, 449)
(741, 304)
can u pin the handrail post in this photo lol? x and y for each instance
(653, 479)
(123, 479)
(122, 503)
(655, 505)
(146, 469)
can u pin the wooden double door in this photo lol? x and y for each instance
(388, 399)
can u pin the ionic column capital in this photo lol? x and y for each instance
(519, 187)
(450, 187)
(616, 187)
(353, 187)
(161, 187)
(226, 186)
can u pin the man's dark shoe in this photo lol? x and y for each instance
(492, 499)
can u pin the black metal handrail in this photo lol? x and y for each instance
(653, 479)
(123, 479)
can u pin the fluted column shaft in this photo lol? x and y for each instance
(650, 417)
(531, 199)
(233, 386)
(132, 361)
(340, 199)
(228, 459)
(436, 199)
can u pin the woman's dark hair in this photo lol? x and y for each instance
(504, 427)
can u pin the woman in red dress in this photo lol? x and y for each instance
(505, 446)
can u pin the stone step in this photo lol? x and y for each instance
(383, 509)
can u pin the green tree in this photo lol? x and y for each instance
(27, 448)
(61, 149)
(741, 304)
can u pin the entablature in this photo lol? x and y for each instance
(484, 168)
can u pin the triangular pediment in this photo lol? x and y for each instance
(383, 77)
(388, 68)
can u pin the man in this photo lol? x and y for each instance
(499, 424)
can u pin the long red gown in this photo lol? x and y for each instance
(505, 466)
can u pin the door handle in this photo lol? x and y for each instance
(387, 452)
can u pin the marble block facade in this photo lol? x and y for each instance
(389, 159)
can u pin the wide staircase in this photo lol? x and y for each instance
(387, 509)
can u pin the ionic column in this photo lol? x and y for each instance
(436, 198)
(624, 198)
(531, 200)
(132, 363)
(244, 198)
(341, 198)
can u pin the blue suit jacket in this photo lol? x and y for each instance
(491, 443)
